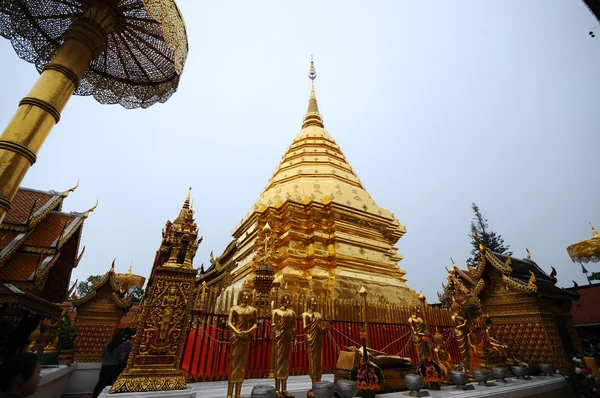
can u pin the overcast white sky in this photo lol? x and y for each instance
(436, 105)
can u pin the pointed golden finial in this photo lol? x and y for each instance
(68, 191)
(313, 117)
(362, 291)
(186, 203)
(528, 254)
(422, 297)
(112, 267)
(87, 213)
(452, 261)
(595, 233)
(130, 267)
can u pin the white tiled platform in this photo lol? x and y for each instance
(548, 386)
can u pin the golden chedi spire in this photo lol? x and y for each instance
(313, 117)
(339, 238)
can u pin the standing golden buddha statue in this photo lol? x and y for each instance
(242, 322)
(461, 332)
(313, 326)
(283, 324)
(417, 327)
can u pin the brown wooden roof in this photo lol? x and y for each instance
(20, 267)
(22, 203)
(48, 231)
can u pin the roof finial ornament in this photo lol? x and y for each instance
(595, 233)
(112, 267)
(130, 267)
(87, 213)
(68, 191)
(528, 254)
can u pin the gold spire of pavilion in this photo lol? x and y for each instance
(313, 116)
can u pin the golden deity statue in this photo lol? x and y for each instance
(242, 321)
(417, 327)
(502, 349)
(461, 332)
(443, 357)
(170, 302)
(314, 327)
(283, 323)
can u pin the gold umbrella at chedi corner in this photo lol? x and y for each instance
(129, 52)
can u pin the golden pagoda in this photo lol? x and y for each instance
(325, 230)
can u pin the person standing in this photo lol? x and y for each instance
(110, 364)
(125, 351)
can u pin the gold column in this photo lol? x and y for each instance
(363, 294)
(40, 110)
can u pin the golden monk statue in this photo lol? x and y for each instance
(444, 359)
(461, 331)
(242, 322)
(502, 349)
(417, 327)
(314, 327)
(283, 324)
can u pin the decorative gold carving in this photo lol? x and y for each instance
(157, 349)
(586, 250)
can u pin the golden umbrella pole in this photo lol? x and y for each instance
(126, 52)
(40, 110)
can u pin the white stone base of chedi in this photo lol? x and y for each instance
(538, 387)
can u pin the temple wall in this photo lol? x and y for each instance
(97, 320)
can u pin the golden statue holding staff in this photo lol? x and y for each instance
(417, 327)
(313, 325)
(283, 323)
(461, 331)
(242, 322)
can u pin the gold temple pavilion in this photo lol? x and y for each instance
(326, 231)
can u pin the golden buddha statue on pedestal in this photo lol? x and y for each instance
(314, 327)
(242, 322)
(283, 323)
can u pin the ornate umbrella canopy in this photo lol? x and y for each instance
(144, 55)
(586, 250)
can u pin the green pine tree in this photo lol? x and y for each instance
(85, 287)
(489, 238)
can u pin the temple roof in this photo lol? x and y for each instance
(109, 279)
(594, 7)
(32, 236)
(585, 310)
(315, 168)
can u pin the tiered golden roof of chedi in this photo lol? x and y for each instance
(327, 231)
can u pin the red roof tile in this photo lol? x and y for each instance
(585, 310)
(22, 202)
(19, 267)
(6, 237)
(47, 231)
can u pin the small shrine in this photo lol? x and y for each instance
(526, 316)
(39, 247)
(154, 362)
(98, 315)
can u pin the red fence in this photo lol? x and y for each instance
(206, 355)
